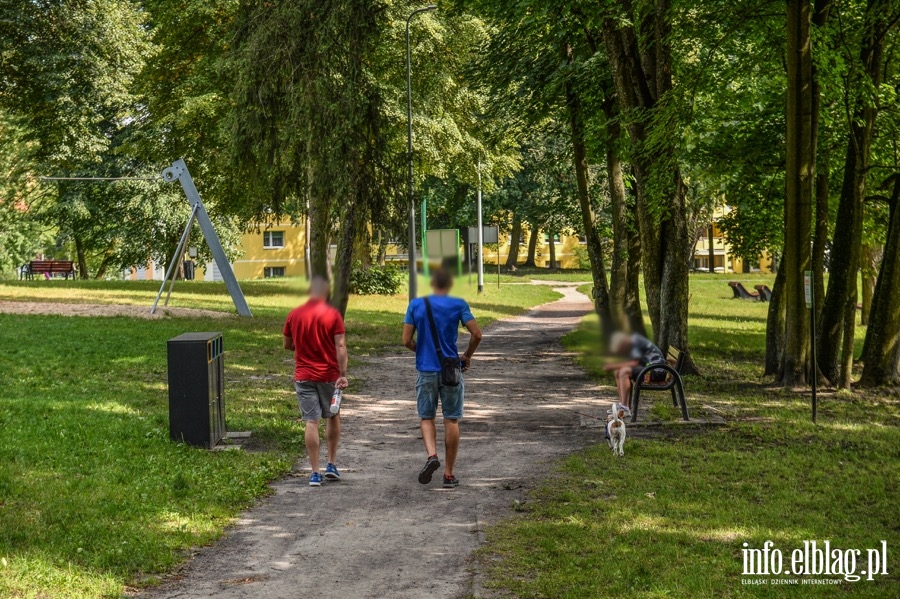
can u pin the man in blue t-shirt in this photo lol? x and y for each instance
(448, 313)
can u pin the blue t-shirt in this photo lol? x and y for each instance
(448, 312)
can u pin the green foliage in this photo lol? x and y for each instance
(375, 280)
(581, 257)
(20, 233)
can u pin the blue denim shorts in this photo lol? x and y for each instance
(429, 391)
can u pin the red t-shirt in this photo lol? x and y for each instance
(313, 326)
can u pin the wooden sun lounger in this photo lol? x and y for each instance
(740, 292)
(765, 294)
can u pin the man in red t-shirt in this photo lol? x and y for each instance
(315, 333)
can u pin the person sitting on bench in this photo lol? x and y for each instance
(642, 352)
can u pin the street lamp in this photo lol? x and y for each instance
(409, 153)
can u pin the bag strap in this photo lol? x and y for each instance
(434, 333)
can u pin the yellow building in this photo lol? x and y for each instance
(277, 250)
(566, 250)
(724, 261)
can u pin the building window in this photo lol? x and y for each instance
(555, 238)
(271, 272)
(273, 239)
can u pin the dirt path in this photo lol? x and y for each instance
(131, 311)
(379, 533)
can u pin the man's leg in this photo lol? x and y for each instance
(332, 436)
(623, 382)
(429, 435)
(312, 443)
(427, 390)
(452, 407)
(311, 410)
(451, 444)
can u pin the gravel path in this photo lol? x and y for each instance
(379, 533)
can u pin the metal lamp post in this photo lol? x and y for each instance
(481, 238)
(409, 152)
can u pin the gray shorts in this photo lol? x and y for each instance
(314, 399)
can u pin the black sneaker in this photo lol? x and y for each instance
(450, 482)
(430, 466)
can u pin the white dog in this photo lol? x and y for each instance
(615, 430)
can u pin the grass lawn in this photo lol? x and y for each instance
(670, 519)
(93, 495)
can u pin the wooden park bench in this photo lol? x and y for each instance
(740, 292)
(765, 294)
(673, 367)
(51, 267)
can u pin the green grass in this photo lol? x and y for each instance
(670, 518)
(93, 495)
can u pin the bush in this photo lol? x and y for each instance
(582, 258)
(375, 280)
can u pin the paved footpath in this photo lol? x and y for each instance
(379, 533)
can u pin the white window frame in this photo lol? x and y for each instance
(268, 238)
(267, 272)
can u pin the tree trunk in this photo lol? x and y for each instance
(618, 280)
(82, 258)
(845, 255)
(512, 259)
(661, 211)
(869, 256)
(821, 232)
(821, 11)
(104, 264)
(319, 209)
(849, 340)
(340, 289)
(799, 172)
(319, 237)
(594, 245)
(633, 289)
(532, 247)
(844, 259)
(552, 243)
(775, 324)
(881, 352)
(382, 248)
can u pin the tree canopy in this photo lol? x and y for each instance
(632, 123)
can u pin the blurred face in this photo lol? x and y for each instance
(319, 288)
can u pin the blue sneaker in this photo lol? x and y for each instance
(331, 472)
(315, 480)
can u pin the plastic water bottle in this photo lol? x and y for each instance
(336, 401)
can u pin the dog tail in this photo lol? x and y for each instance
(615, 411)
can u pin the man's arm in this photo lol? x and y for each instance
(409, 336)
(288, 342)
(340, 342)
(475, 337)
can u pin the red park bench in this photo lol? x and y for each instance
(51, 267)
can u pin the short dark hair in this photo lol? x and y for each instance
(441, 279)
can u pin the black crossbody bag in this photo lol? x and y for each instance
(450, 368)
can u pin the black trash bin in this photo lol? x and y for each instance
(196, 389)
